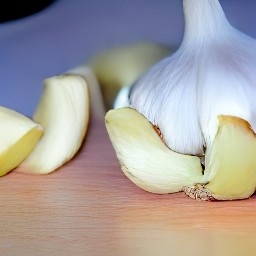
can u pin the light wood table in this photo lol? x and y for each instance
(89, 207)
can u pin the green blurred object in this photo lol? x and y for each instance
(121, 66)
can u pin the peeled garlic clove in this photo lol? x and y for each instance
(211, 74)
(96, 100)
(143, 156)
(121, 66)
(230, 162)
(63, 112)
(18, 136)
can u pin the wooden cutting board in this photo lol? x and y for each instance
(89, 207)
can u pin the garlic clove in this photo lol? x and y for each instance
(145, 159)
(18, 136)
(96, 100)
(63, 112)
(230, 162)
(121, 66)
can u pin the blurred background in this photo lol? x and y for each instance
(39, 39)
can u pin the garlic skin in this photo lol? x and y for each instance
(63, 112)
(122, 98)
(145, 159)
(211, 74)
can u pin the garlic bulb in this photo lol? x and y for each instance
(211, 74)
(201, 99)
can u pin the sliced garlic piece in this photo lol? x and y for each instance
(121, 66)
(63, 111)
(143, 156)
(230, 162)
(18, 136)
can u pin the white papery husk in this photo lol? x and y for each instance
(211, 74)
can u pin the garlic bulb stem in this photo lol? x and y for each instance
(204, 20)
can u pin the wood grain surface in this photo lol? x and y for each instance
(88, 207)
